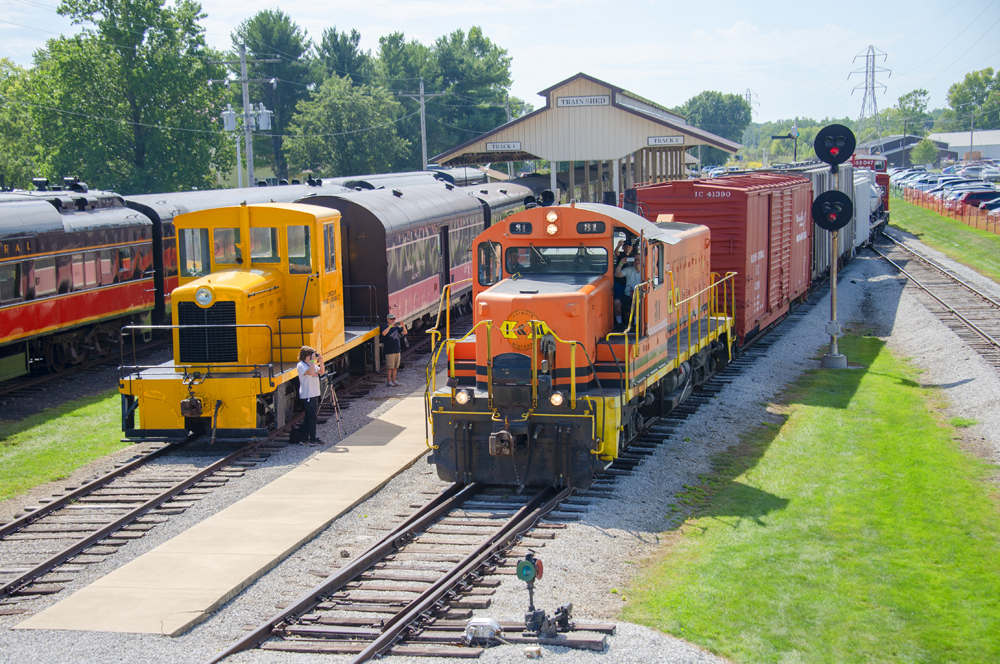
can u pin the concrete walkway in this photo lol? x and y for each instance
(179, 583)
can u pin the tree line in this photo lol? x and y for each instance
(975, 99)
(126, 104)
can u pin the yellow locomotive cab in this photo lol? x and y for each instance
(258, 282)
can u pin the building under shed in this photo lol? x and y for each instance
(619, 137)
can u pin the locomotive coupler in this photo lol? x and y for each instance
(501, 443)
(191, 407)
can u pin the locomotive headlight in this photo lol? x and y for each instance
(552, 216)
(203, 296)
(557, 399)
(462, 397)
(552, 229)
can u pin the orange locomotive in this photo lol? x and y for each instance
(547, 388)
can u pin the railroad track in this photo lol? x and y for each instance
(973, 315)
(42, 549)
(411, 593)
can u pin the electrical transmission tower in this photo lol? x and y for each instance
(753, 137)
(869, 124)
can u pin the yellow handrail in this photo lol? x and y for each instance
(445, 298)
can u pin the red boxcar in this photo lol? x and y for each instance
(761, 229)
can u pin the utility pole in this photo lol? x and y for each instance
(423, 118)
(249, 113)
(510, 164)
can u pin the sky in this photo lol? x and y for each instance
(796, 58)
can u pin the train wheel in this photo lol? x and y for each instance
(55, 358)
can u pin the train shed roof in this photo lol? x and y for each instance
(584, 118)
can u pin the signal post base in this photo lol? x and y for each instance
(837, 361)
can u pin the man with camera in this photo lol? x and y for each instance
(310, 368)
(392, 338)
(627, 277)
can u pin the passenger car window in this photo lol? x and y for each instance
(10, 282)
(264, 245)
(489, 263)
(299, 252)
(194, 254)
(45, 277)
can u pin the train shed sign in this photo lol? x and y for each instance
(588, 120)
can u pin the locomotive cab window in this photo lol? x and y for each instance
(580, 259)
(194, 255)
(10, 283)
(489, 263)
(299, 252)
(226, 251)
(330, 248)
(658, 264)
(264, 245)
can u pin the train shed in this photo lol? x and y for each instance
(609, 129)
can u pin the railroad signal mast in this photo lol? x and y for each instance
(832, 210)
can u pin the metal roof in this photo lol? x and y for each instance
(637, 224)
(401, 209)
(167, 206)
(613, 124)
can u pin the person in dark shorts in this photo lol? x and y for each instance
(392, 337)
(310, 368)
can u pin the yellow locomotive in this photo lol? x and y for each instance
(547, 388)
(257, 282)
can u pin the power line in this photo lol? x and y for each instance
(952, 40)
(199, 131)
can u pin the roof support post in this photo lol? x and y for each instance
(571, 194)
(586, 181)
(553, 181)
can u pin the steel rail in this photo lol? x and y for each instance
(985, 335)
(943, 270)
(75, 549)
(440, 505)
(83, 490)
(542, 503)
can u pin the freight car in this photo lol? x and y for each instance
(259, 281)
(543, 390)
(762, 229)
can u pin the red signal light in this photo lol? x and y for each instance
(834, 151)
(832, 216)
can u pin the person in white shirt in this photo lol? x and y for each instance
(310, 368)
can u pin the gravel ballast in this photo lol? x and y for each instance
(588, 560)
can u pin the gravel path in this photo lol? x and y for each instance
(591, 557)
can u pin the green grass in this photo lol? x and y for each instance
(855, 530)
(52, 444)
(978, 249)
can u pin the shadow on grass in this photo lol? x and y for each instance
(9, 428)
(835, 388)
(720, 496)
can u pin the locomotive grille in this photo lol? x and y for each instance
(207, 344)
